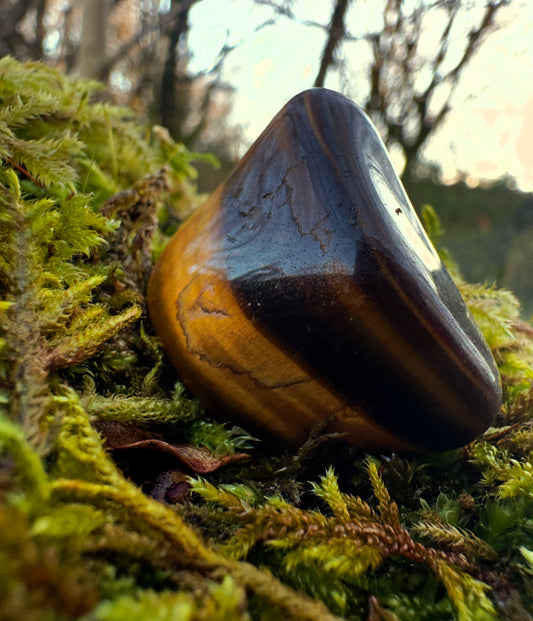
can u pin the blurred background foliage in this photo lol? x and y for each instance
(141, 52)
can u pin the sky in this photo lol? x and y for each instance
(488, 134)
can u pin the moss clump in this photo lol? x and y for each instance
(88, 195)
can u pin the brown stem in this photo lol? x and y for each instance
(25, 172)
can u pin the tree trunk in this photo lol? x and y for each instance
(92, 53)
(174, 82)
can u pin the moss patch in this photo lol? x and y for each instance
(88, 195)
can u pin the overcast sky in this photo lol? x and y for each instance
(488, 135)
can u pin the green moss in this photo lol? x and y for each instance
(88, 195)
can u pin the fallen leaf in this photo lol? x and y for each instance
(126, 438)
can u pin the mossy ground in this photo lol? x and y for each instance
(88, 196)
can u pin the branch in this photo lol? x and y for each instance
(336, 33)
(287, 12)
(164, 25)
(395, 65)
(474, 37)
(428, 125)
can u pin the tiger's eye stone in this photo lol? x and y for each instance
(306, 288)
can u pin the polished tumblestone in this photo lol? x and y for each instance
(306, 288)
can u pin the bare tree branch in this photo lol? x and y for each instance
(336, 33)
(286, 11)
(162, 26)
(405, 114)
